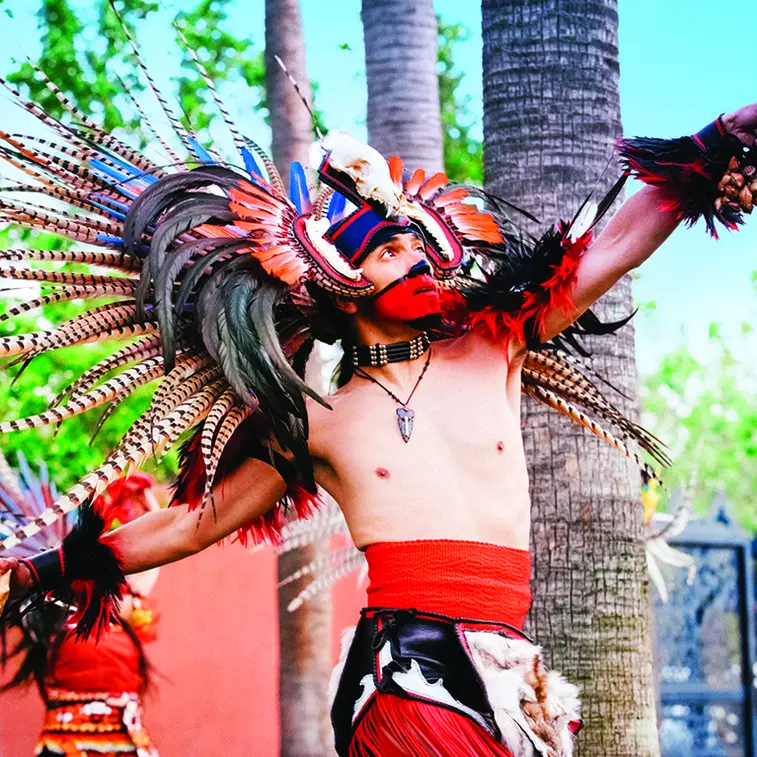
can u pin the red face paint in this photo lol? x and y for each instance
(408, 300)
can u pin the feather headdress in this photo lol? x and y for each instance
(215, 275)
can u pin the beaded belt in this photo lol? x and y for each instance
(94, 721)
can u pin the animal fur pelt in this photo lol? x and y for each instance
(536, 709)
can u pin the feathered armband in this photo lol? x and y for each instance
(83, 573)
(710, 175)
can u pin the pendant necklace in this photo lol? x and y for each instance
(405, 415)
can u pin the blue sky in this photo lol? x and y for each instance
(675, 77)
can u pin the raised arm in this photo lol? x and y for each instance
(648, 218)
(631, 236)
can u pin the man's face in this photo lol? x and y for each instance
(405, 287)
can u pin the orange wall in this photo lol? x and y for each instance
(216, 659)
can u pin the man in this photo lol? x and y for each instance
(420, 445)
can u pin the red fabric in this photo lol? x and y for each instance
(397, 727)
(463, 579)
(110, 664)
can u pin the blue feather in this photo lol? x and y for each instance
(200, 151)
(119, 205)
(31, 482)
(109, 240)
(130, 169)
(117, 177)
(109, 211)
(337, 204)
(251, 164)
(298, 188)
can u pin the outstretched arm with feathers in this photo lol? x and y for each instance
(168, 535)
(631, 236)
(641, 225)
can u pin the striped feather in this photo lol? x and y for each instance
(575, 414)
(145, 121)
(210, 427)
(236, 136)
(113, 390)
(127, 283)
(38, 341)
(228, 426)
(133, 451)
(63, 295)
(84, 257)
(186, 365)
(572, 386)
(104, 139)
(142, 349)
(352, 560)
(178, 128)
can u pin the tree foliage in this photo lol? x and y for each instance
(463, 154)
(85, 52)
(706, 410)
(83, 68)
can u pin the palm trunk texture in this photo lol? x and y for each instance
(551, 113)
(403, 86)
(304, 636)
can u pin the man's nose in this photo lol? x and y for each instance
(421, 268)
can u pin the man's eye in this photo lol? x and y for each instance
(387, 253)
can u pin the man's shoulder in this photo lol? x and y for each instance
(473, 345)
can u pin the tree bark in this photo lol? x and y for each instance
(291, 125)
(403, 86)
(551, 113)
(305, 635)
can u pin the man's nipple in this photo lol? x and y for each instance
(382, 473)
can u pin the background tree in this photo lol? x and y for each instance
(304, 636)
(463, 153)
(87, 69)
(403, 86)
(551, 112)
(706, 410)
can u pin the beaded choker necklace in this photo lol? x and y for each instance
(376, 355)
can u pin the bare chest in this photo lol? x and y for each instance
(460, 429)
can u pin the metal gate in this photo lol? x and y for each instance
(705, 650)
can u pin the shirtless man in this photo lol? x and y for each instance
(438, 664)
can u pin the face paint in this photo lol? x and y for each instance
(410, 298)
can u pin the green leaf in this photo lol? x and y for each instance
(463, 155)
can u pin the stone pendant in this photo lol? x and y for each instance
(405, 420)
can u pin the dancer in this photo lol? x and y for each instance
(92, 691)
(446, 311)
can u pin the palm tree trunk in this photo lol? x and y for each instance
(304, 636)
(403, 87)
(551, 112)
(291, 126)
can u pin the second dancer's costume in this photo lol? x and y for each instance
(225, 280)
(92, 688)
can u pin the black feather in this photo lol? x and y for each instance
(690, 173)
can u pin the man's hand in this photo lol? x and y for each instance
(20, 579)
(742, 123)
